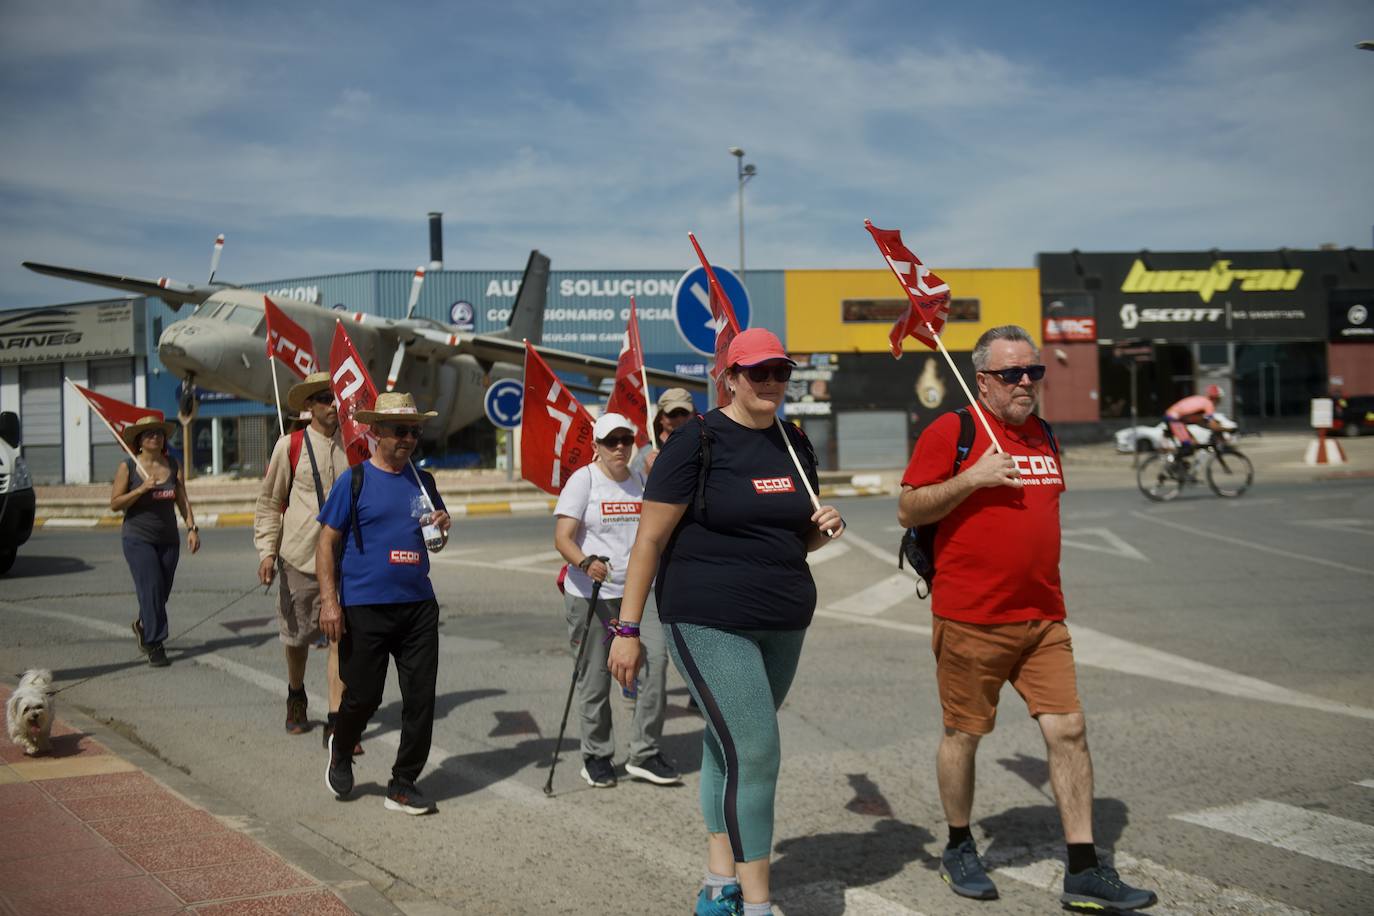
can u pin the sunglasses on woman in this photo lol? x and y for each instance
(760, 374)
(616, 441)
(1012, 374)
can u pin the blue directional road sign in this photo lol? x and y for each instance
(504, 401)
(692, 307)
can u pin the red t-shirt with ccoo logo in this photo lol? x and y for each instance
(997, 553)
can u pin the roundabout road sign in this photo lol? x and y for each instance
(503, 402)
(692, 307)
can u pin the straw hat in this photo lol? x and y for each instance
(142, 425)
(304, 390)
(392, 406)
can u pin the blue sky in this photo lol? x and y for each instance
(317, 135)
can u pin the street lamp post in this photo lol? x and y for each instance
(743, 172)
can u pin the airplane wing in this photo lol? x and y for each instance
(171, 291)
(489, 349)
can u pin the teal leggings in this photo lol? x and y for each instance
(739, 679)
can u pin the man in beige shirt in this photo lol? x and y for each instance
(303, 467)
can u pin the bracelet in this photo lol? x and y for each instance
(586, 563)
(626, 629)
(195, 528)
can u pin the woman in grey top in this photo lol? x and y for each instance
(149, 491)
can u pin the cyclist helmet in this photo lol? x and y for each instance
(1214, 393)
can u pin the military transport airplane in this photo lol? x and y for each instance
(222, 345)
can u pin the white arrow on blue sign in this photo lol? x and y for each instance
(503, 402)
(692, 307)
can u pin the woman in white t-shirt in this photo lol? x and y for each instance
(598, 516)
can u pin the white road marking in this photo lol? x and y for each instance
(875, 599)
(881, 623)
(1262, 548)
(544, 572)
(827, 897)
(70, 523)
(1109, 542)
(1310, 833)
(867, 546)
(1367, 783)
(544, 556)
(1180, 892)
(1347, 525)
(830, 552)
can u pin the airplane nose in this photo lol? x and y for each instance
(185, 348)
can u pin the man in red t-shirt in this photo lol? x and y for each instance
(999, 611)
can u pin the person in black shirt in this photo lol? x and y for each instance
(735, 594)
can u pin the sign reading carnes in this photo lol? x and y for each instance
(70, 332)
(1206, 283)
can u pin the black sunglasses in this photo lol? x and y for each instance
(617, 441)
(323, 397)
(678, 413)
(1012, 374)
(402, 432)
(759, 374)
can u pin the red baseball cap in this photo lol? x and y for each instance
(755, 346)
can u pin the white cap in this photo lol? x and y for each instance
(608, 423)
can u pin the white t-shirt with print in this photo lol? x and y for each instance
(608, 515)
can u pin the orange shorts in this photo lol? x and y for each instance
(972, 662)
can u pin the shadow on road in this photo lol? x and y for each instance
(819, 869)
(1036, 826)
(27, 566)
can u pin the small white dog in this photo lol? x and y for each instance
(29, 712)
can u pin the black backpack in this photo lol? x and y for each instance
(791, 430)
(918, 544)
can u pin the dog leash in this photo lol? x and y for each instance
(208, 617)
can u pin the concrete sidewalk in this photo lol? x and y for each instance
(100, 827)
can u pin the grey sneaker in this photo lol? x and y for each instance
(655, 769)
(964, 873)
(157, 657)
(404, 796)
(599, 772)
(1101, 888)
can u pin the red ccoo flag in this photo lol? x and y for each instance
(629, 398)
(353, 391)
(929, 295)
(288, 341)
(116, 413)
(555, 430)
(726, 325)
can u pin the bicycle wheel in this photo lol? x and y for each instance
(1229, 473)
(1158, 479)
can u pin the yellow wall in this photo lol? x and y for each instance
(1008, 296)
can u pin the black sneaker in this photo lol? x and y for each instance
(964, 873)
(328, 732)
(598, 771)
(157, 657)
(404, 796)
(338, 775)
(1101, 888)
(655, 769)
(143, 647)
(297, 715)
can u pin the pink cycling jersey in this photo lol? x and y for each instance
(1190, 408)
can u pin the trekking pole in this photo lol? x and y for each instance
(577, 668)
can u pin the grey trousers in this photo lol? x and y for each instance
(595, 686)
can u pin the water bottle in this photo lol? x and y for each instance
(434, 538)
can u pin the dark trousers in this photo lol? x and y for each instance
(153, 567)
(408, 633)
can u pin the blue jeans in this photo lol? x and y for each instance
(153, 567)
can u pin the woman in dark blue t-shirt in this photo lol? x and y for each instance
(735, 595)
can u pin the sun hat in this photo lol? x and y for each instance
(754, 346)
(391, 407)
(608, 423)
(146, 424)
(304, 390)
(675, 399)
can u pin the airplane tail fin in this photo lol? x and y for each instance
(527, 316)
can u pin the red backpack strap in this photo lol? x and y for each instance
(293, 454)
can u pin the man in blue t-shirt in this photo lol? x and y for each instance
(376, 599)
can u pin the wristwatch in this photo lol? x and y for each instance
(586, 563)
(195, 528)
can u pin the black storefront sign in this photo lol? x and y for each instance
(1201, 296)
(1352, 316)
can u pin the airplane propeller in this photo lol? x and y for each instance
(394, 372)
(214, 258)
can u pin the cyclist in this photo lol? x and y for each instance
(1198, 409)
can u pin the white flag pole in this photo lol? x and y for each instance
(276, 393)
(648, 410)
(801, 472)
(118, 438)
(973, 402)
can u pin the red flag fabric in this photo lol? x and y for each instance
(115, 412)
(726, 326)
(928, 294)
(353, 391)
(555, 430)
(628, 397)
(288, 341)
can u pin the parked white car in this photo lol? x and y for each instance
(1151, 438)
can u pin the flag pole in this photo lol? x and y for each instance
(118, 438)
(801, 472)
(648, 411)
(973, 402)
(276, 394)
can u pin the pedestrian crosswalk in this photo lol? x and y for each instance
(1315, 834)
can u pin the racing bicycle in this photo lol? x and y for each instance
(1229, 473)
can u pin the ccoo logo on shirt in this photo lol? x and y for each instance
(627, 507)
(766, 485)
(405, 557)
(1037, 470)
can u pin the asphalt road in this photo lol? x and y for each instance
(1223, 654)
